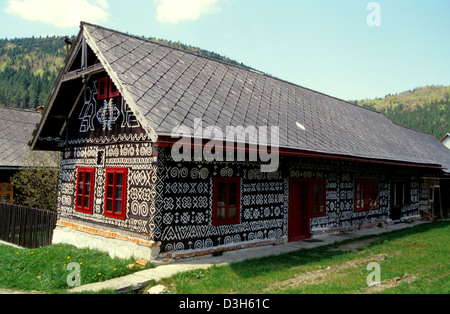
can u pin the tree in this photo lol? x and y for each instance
(36, 185)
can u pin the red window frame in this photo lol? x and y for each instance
(366, 195)
(106, 89)
(102, 88)
(113, 90)
(318, 198)
(226, 201)
(84, 197)
(115, 192)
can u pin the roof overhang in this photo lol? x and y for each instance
(166, 141)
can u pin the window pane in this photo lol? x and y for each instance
(79, 201)
(323, 197)
(315, 206)
(222, 188)
(6, 187)
(233, 188)
(221, 201)
(118, 207)
(119, 193)
(119, 179)
(232, 212)
(109, 191)
(87, 189)
(109, 205)
(315, 187)
(5, 198)
(88, 178)
(315, 197)
(221, 213)
(80, 176)
(110, 179)
(86, 202)
(232, 200)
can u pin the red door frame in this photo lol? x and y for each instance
(299, 225)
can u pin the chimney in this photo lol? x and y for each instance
(68, 43)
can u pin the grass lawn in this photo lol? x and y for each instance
(413, 260)
(46, 269)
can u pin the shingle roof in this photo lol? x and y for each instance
(168, 87)
(16, 127)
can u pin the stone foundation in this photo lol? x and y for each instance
(115, 244)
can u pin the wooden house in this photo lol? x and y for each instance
(112, 115)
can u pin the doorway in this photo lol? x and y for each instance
(299, 203)
(437, 204)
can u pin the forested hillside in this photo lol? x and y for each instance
(425, 109)
(28, 70)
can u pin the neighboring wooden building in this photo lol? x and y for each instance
(112, 114)
(16, 127)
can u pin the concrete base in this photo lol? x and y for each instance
(114, 247)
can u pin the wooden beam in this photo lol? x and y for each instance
(98, 67)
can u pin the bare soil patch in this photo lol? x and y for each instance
(355, 245)
(322, 275)
(390, 283)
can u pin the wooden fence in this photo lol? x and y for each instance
(26, 227)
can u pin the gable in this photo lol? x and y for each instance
(80, 111)
(102, 115)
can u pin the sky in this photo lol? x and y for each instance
(349, 49)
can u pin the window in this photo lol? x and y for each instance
(106, 89)
(366, 195)
(226, 200)
(6, 193)
(85, 190)
(319, 198)
(402, 193)
(115, 198)
(374, 191)
(102, 89)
